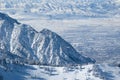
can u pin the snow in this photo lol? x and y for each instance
(39, 72)
(60, 9)
(114, 70)
(40, 47)
(92, 27)
(88, 36)
(51, 73)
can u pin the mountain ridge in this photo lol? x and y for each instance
(60, 9)
(44, 47)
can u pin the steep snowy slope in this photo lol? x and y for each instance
(52, 49)
(6, 27)
(14, 36)
(44, 47)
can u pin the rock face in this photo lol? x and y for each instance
(44, 47)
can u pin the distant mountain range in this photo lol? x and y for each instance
(59, 9)
(21, 43)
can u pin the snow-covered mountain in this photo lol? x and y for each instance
(44, 47)
(58, 9)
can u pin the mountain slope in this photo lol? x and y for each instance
(52, 49)
(14, 36)
(44, 47)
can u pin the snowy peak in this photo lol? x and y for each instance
(46, 32)
(54, 50)
(7, 18)
(49, 34)
(44, 47)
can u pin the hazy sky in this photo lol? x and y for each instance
(118, 1)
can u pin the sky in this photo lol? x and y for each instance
(118, 1)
